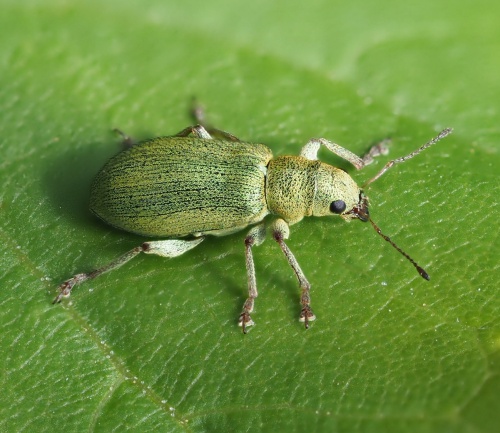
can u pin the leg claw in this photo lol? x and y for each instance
(65, 290)
(306, 316)
(244, 321)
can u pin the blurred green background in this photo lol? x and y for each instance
(154, 346)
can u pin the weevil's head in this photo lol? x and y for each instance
(336, 193)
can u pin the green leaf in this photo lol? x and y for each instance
(154, 346)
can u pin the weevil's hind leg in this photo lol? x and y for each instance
(166, 248)
(280, 233)
(255, 237)
(66, 287)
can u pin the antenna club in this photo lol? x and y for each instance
(422, 273)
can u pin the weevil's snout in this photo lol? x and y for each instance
(360, 211)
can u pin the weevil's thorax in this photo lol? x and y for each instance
(290, 186)
(297, 187)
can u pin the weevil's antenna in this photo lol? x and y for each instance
(441, 135)
(419, 269)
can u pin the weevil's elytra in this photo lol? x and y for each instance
(184, 187)
(165, 190)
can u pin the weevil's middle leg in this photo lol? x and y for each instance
(198, 114)
(280, 233)
(201, 131)
(197, 130)
(255, 237)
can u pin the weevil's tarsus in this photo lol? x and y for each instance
(440, 136)
(166, 248)
(380, 148)
(66, 287)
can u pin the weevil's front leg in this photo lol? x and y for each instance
(310, 151)
(166, 248)
(255, 236)
(280, 233)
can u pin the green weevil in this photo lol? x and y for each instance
(189, 185)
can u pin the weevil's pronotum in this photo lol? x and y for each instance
(189, 185)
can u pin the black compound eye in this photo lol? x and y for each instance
(337, 206)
